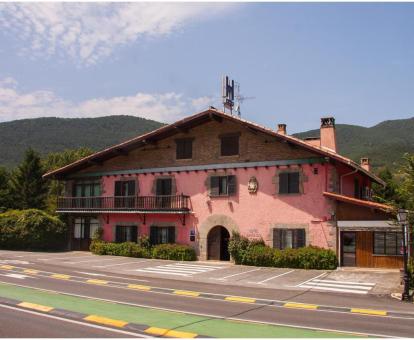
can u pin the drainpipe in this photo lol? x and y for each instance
(344, 175)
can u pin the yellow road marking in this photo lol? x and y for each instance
(30, 271)
(105, 321)
(97, 282)
(186, 293)
(61, 276)
(6, 266)
(369, 311)
(170, 333)
(299, 305)
(139, 287)
(240, 299)
(35, 306)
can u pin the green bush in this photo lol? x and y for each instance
(162, 251)
(176, 252)
(31, 229)
(129, 249)
(256, 253)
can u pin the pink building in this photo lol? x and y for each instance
(197, 180)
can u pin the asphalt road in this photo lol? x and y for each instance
(17, 323)
(332, 320)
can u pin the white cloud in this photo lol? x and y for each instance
(89, 32)
(165, 107)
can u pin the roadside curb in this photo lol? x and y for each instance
(100, 320)
(211, 296)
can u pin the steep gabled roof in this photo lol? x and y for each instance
(187, 123)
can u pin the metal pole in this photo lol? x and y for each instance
(406, 294)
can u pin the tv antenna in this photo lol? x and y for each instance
(240, 99)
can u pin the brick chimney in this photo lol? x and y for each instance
(281, 128)
(365, 163)
(328, 133)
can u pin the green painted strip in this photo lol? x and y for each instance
(203, 167)
(162, 319)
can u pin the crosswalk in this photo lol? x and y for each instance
(337, 286)
(179, 269)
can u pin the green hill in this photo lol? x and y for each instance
(384, 143)
(56, 134)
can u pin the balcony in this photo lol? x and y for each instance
(141, 204)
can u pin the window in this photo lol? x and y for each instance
(184, 148)
(289, 238)
(85, 227)
(229, 145)
(163, 186)
(87, 189)
(160, 235)
(289, 183)
(125, 194)
(94, 225)
(387, 243)
(126, 234)
(222, 185)
(125, 188)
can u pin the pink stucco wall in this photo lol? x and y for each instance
(253, 213)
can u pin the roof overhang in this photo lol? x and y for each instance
(211, 114)
(359, 202)
(368, 225)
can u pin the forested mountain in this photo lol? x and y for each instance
(384, 143)
(56, 134)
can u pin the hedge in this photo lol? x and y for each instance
(256, 253)
(176, 252)
(31, 229)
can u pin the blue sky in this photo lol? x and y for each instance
(164, 61)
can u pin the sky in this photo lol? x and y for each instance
(163, 61)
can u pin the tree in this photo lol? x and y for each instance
(389, 192)
(5, 199)
(56, 160)
(28, 188)
(406, 188)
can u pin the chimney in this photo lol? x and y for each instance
(281, 128)
(328, 133)
(365, 163)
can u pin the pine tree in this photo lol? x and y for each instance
(28, 188)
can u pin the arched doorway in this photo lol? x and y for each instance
(217, 244)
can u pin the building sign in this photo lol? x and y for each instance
(253, 234)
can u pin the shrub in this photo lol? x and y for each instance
(176, 252)
(31, 229)
(129, 249)
(256, 253)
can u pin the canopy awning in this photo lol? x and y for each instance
(368, 225)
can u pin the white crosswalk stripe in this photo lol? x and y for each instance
(337, 286)
(179, 269)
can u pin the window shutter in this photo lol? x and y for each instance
(153, 235)
(158, 187)
(118, 234)
(299, 238)
(229, 145)
(231, 185)
(293, 182)
(131, 188)
(134, 234)
(171, 234)
(277, 238)
(118, 188)
(283, 183)
(214, 185)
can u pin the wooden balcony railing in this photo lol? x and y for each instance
(180, 203)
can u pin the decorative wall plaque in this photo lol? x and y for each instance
(253, 185)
